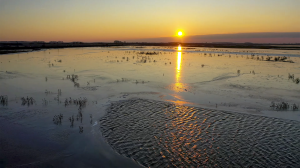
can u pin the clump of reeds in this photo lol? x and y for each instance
(284, 106)
(71, 119)
(297, 80)
(57, 119)
(282, 59)
(148, 53)
(292, 77)
(44, 102)
(81, 102)
(79, 115)
(123, 80)
(3, 100)
(27, 101)
(80, 129)
(279, 59)
(268, 58)
(144, 60)
(57, 97)
(48, 92)
(73, 78)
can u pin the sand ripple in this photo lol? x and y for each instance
(160, 134)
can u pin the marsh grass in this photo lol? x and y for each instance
(281, 106)
(4, 100)
(27, 101)
(292, 77)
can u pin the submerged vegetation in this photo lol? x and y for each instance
(27, 101)
(73, 78)
(292, 77)
(3, 100)
(284, 106)
(148, 53)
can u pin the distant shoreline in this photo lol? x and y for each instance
(17, 48)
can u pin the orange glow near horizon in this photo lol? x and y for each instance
(92, 21)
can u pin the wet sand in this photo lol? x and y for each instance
(191, 78)
(160, 134)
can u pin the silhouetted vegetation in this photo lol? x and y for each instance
(3, 100)
(73, 78)
(57, 119)
(27, 101)
(284, 106)
(148, 53)
(292, 77)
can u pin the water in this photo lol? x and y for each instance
(205, 79)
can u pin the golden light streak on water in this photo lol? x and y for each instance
(178, 85)
(178, 65)
(179, 48)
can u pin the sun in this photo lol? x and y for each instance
(179, 33)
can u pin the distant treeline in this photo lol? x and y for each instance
(12, 47)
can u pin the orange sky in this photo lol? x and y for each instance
(93, 20)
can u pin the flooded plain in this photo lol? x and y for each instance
(150, 106)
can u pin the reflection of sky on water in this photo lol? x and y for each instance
(178, 77)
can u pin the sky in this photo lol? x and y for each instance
(138, 20)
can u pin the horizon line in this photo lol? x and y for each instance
(252, 37)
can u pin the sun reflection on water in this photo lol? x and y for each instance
(178, 84)
(179, 48)
(178, 66)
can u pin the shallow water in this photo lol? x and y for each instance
(200, 77)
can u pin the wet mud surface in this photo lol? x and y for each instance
(161, 134)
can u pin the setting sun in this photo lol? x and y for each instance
(179, 33)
